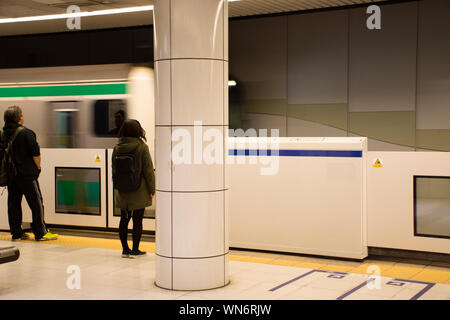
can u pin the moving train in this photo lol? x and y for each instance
(74, 107)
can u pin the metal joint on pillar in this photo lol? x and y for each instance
(191, 105)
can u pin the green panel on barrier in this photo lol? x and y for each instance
(71, 90)
(72, 193)
(78, 190)
(66, 193)
(93, 194)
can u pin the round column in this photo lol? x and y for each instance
(191, 120)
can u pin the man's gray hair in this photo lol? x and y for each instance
(12, 114)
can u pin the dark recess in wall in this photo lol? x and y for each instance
(120, 45)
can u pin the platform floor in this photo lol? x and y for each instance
(43, 272)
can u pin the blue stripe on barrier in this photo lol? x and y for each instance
(296, 153)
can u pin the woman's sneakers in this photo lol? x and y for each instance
(137, 253)
(126, 254)
(131, 254)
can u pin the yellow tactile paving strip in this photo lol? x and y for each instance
(428, 273)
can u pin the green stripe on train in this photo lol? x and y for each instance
(72, 90)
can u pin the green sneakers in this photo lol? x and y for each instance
(48, 236)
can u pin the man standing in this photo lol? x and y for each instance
(27, 159)
(119, 119)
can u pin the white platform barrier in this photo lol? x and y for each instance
(390, 197)
(69, 176)
(3, 209)
(87, 164)
(313, 201)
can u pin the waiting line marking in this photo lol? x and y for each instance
(304, 275)
(428, 286)
(354, 289)
(339, 275)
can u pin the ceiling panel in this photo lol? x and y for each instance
(257, 7)
(242, 8)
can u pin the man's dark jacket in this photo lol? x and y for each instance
(25, 147)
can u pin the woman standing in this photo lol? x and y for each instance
(133, 203)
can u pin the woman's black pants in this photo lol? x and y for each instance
(125, 217)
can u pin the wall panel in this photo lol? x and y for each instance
(258, 60)
(433, 80)
(383, 62)
(317, 58)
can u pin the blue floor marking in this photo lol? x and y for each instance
(304, 275)
(398, 282)
(354, 289)
(428, 286)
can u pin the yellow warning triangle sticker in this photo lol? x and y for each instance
(97, 159)
(378, 164)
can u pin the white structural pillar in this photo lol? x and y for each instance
(191, 102)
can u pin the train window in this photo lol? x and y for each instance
(108, 117)
(77, 190)
(63, 127)
(432, 206)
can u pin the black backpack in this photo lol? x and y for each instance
(126, 175)
(8, 169)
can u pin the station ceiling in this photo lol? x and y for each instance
(241, 8)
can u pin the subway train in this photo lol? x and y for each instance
(75, 107)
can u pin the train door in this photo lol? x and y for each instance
(64, 118)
